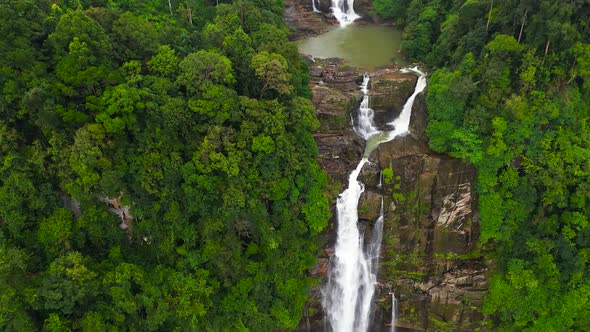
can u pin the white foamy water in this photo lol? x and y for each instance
(343, 10)
(348, 297)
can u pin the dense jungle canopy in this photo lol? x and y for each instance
(157, 167)
(157, 164)
(510, 93)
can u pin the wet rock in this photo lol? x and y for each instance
(321, 269)
(338, 153)
(432, 228)
(335, 95)
(369, 175)
(419, 119)
(389, 91)
(369, 205)
(329, 251)
(303, 22)
(324, 6)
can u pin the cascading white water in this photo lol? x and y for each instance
(343, 10)
(315, 8)
(393, 311)
(365, 127)
(402, 123)
(374, 249)
(347, 298)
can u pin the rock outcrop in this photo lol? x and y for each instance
(303, 22)
(429, 256)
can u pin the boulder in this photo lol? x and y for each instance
(370, 205)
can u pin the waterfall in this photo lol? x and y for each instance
(374, 249)
(315, 8)
(402, 123)
(348, 296)
(343, 10)
(365, 127)
(393, 311)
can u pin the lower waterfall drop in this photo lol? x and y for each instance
(348, 296)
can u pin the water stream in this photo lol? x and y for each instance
(348, 297)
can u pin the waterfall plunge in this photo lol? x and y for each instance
(347, 298)
(343, 10)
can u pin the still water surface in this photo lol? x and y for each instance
(368, 46)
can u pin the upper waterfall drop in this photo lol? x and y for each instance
(401, 124)
(343, 10)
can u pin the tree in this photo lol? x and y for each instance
(394, 9)
(205, 66)
(55, 232)
(165, 62)
(272, 72)
(136, 38)
(67, 286)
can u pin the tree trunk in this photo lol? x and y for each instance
(522, 25)
(170, 6)
(490, 16)
(546, 48)
(189, 12)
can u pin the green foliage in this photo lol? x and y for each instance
(137, 38)
(142, 186)
(394, 9)
(204, 66)
(509, 94)
(272, 71)
(55, 232)
(387, 174)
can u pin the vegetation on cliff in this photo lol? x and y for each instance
(510, 93)
(157, 167)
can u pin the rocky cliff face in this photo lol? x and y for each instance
(429, 259)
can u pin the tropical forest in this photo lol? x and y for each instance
(189, 165)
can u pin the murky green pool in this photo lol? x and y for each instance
(367, 46)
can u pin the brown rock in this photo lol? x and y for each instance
(389, 91)
(329, 251)
(321, 269)
(303, 22)
(369, 205)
